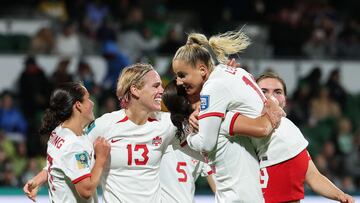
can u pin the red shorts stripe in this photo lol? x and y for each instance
(284, 182)
(81, 178)
(216, 114)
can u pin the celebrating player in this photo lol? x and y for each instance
(71, 172)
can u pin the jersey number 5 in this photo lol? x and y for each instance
(181, 171)
(144, 155)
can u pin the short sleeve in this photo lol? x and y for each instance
(215, 99)
(227, 124)
(76, 163)
(206, 170)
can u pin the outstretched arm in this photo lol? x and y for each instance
(323, 186)
(32, 186)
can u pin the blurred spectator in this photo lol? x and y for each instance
(9, 178)
(317, 46)
(116, 61)
(11, 119)
(106, 32)
(31, 170)
(345, 136)
(61, 73)
(333, 160)
(349, 42)
(96, 11)
(43, 42)
(287, 33)
(7, 148)
(171, 43)
(299, 105)
(87, 36)
(54, 9)
(135, 39)
(337, 91)
(109, 105)
(34, 93)
(34, 88)
(352, 161)
(348, 185)
(157, 23)
(19, 162)
(313, 81)
(85, 74)
(136, 44)
(323, 107)
(68, 42)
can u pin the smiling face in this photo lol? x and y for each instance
(192, 78)
(273, 87)
(150, 94)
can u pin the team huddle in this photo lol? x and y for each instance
(221, 123)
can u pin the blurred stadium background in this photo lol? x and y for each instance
(313, 44)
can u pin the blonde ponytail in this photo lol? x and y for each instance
(228, 43)
(217, 48)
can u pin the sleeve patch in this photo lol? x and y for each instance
(204, 102)
(82, 160)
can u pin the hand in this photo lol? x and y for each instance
(102, 149)
(273, 111)
(31, 189)
(233, 63)
(345, 198)
(193, 119)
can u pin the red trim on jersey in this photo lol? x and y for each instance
(81, 178)
(152, 119)
(217, 114)
(210, 172)
(123, 120)
(183, 144)
(231, 131)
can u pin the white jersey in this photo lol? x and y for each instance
(237, 168)
(132, 174)
(69, 160)
(285, 142)
(178, 173)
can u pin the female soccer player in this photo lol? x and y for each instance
(71, 171)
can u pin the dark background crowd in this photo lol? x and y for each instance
(128, 31)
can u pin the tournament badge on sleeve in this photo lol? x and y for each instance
(204, 102)
(82, 160)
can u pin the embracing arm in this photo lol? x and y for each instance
(323, 186)
(256, 127)
(206, 139)
(242, 125)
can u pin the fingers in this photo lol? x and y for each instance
(102, 149)
(193, 119)
(29, 190)
(274, 112)
(194, 123)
